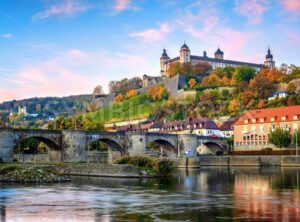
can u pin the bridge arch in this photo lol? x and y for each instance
(45, 149)
(161, 147)
(103, 149)
(216, 148)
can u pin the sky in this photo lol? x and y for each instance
(67, 47)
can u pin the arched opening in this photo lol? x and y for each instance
(214, 147)
(37, 149)
(103, 151)
(161, 148)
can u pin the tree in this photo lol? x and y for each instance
(261, 86)
(280, 138)
(174, 69)
(202, 68)
(211, 80)
(234, 107)
(244, 73)
(261, 104)
(119, 98)
(98, 90)
(157, 93)
(192, 83)
(131, 93)
(291, 88)
(247, 96)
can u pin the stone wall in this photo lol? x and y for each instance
(103, 170)
(240, 161)
(6, 144)
(74, 146)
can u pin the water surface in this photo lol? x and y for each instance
(208, 194)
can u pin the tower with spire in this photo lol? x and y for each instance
(219, 54)
(269, 62)
(184, 54)
(163, 62)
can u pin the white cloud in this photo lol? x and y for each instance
(7, 35)
(253, 10)
(153, 35)
(122, 5)
(67, 8)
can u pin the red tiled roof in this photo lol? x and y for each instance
(289, 112)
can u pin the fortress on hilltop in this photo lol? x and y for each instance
(216, 61)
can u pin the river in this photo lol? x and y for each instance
(207, 194)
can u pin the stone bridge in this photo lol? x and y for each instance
(72, 146)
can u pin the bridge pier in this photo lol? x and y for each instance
(187, 142)
(6, 145)
(73, 146)
(137, 144)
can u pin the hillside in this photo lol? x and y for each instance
(138, 107)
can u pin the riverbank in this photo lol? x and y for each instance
(201, 161)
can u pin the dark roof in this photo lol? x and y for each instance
(184, 46)
(226, 61)
(219, 52)
(156, 125)
(228, 125)
(164, 54)
(269, 55)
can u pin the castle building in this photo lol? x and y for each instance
(215, 62)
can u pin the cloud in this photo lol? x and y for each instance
(72, 72)
(253, 10)
(153, 35)
(68, 8)
(122, 5)
(291, 5)
(7, 35)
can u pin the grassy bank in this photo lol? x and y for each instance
(138, 107)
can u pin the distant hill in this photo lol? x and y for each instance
(52, 106)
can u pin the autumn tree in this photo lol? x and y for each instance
(157, 93)
(174, 69)
(98, 90)
(291, 88)
(261, 86)
(119, 98)
(244, 73)
(192, 83)
(211, 80)
(247, 96)
(261, 104)
(202, 68)
(131, 93)
(234, 107)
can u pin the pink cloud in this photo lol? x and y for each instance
(291, 5)
(153, 35)
(66, 9)
(253, 10)
(7, 94)
(122, 5)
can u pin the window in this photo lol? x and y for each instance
(283, 118)
(253, 129)
(295, 117)
(261, 128)
(262, 120)
(246, 121)
(253, 120)
(272, 119)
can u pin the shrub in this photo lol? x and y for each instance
(8, 169)
(157, 93)
(164, 167)
(280, 138)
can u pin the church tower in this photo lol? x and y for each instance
(269, 60)
(185, 54)
(163, 60)
(219, 54)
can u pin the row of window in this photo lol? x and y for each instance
(253, 143)
(261, 128)
(272, 119)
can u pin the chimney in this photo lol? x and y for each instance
(204, 54)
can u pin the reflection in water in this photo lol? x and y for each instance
(208, 194)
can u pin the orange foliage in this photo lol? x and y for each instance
(261, 104)
(234, 106)
(192, 83)
(247, 96)
(131, 93)
(273, 75)
(157, 92)
(211, 80)
(226, 81)
(119, 98)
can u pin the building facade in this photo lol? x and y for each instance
(216, 61)
(252, 129)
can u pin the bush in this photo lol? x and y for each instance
(8, 169)
(162, 167)
(280, 138)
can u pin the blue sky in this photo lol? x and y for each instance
(63, 47)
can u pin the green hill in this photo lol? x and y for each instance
(135, 108)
